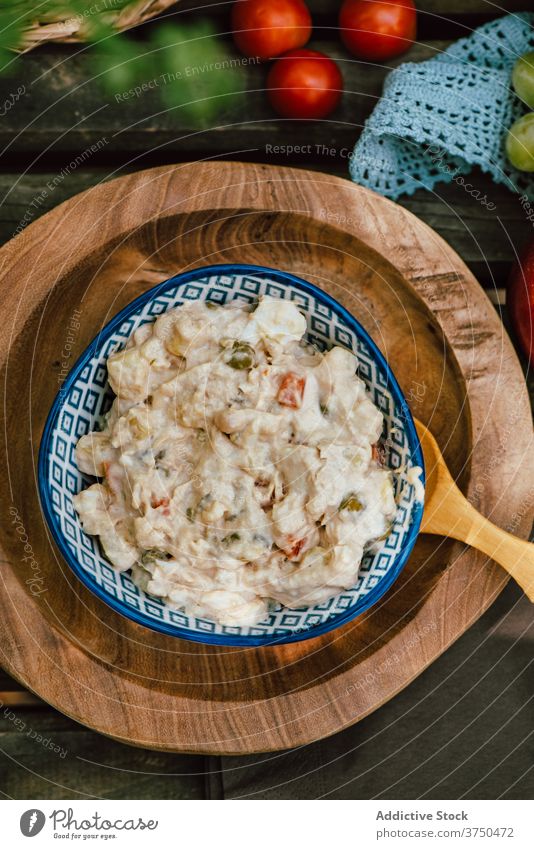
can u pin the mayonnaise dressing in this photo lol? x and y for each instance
(238, 465)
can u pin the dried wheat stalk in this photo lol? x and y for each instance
(75, 28)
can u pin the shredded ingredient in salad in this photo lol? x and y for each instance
(239, 465)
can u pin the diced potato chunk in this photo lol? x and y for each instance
(92, 452)
(128, 374)
(275, 319)
(92, 504)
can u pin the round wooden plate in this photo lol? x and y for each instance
(69, 272)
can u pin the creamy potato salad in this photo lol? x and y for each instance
(239, 466)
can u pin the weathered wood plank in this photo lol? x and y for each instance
(45, 755)
(325, 8)
(446, 8)
(436, 18)
(63, 108)
(485, 239)
(18, 699)
(14, 695)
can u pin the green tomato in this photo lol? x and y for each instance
(523, 78)
(520, 143)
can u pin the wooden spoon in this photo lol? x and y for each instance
(448, 513)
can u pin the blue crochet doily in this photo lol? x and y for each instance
(437, 119)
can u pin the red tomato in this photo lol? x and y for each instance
(375, 30)
(267, 28)
(291, 390)
(520, 300)
(304, 84)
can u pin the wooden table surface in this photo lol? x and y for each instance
(438, 739)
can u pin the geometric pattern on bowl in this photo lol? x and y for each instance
(85, 396)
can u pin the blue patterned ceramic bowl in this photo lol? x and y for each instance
(85, 396)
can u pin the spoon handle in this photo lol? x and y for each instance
(449, 513)
(513, 554)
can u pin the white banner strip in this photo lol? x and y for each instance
(242, 824)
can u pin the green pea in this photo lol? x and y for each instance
(242, 356)
(351, 502)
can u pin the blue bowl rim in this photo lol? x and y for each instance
(140, 618)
